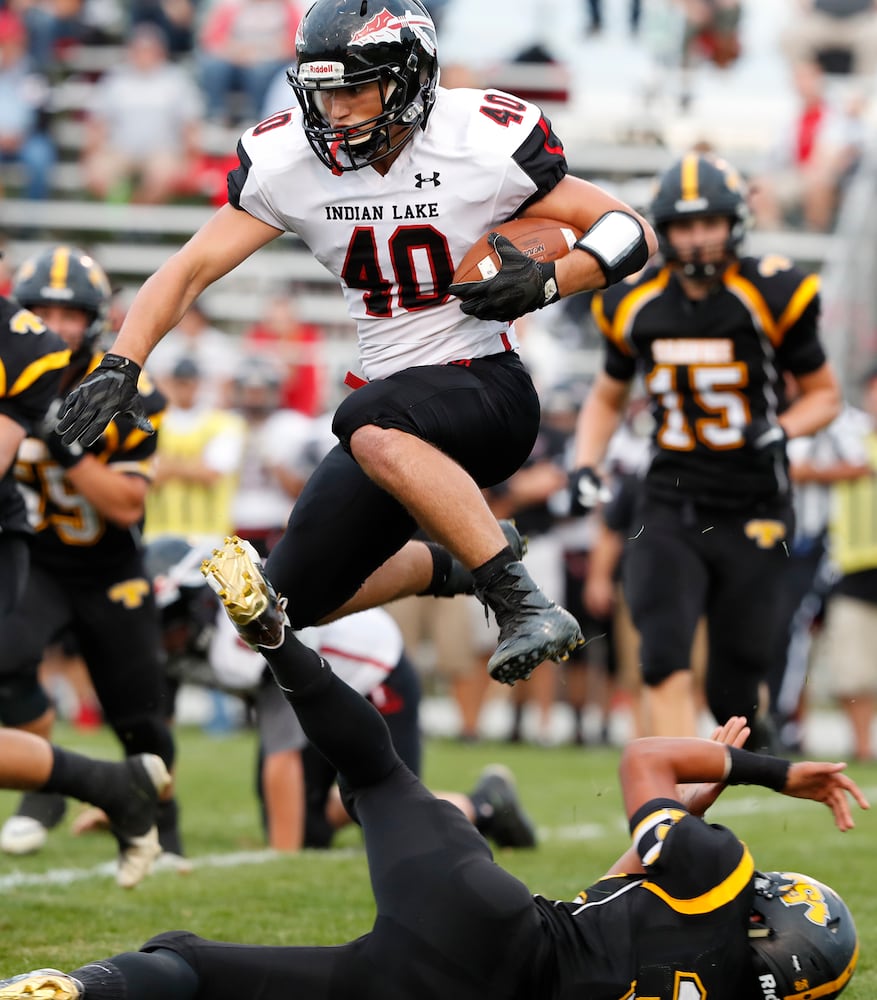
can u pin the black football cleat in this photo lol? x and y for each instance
(460, 579)
(532, 629)
(498, 811)
(234, 572)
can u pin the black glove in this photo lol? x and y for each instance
(520, 286)
(110, 389)
(766, 439)
(586, 491)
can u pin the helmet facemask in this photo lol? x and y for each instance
(339, 45)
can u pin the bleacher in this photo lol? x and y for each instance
(616, 148)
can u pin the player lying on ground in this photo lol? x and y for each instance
(683, 912)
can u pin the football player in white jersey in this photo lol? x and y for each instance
(389, 179)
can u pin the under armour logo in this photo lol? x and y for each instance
(421, 180)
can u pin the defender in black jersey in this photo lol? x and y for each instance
(712, 334)
(86, 576)
(683, 915)
(32, 360)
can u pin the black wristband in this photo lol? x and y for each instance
(745, 768)
(130, 369)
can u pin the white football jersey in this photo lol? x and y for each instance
(363, 649)
(395, 241)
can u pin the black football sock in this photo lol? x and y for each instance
(46, 807)
(103, 783)
(139, 975)
(167, 819)
(488, 572)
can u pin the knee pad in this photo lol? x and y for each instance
(145, 734)
(22, 700)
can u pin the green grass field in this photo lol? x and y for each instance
(61, 907)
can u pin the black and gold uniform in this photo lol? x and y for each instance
(32, 361)
(712, 343)
(87, 578)
(87, 583)
(712, 368)
(453, 924)
(715, 513)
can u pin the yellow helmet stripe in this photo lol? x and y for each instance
(60, 267)
(688, 177)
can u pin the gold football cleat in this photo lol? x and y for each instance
(234, 572)
(44, 984)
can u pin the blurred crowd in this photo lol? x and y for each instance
(141, 119)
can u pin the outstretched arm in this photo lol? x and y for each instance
(652, 767)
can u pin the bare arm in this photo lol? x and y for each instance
(226, 239)
(581, 204)
(116, 495)
(599, 419)
(653, 767)
(817, 405)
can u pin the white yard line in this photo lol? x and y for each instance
(574, 832)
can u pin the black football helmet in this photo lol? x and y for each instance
(803, 939)
(346, 43)
(700, 184)
(66, 276)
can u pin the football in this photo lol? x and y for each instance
(542, 239)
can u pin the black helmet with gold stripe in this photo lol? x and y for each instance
(700, 184)
(66, 276)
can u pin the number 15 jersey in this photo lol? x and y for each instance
(394, 241)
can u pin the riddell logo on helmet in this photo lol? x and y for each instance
(768, 986)
(387, 27)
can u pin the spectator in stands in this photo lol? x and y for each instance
(217, 355)
(295, 350)
(712, 31)
(851, 614)
(22, 95)
(594, 10)
(812, 159)
(198, 459)
(271, 477)
(176, 18)
(142, 140)
(818, 462)
(842, 34)
(242, 45)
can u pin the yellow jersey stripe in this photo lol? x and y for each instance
(804, 295)
(631, 304)
(719, 895)
(754, 301)
(35, 370)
